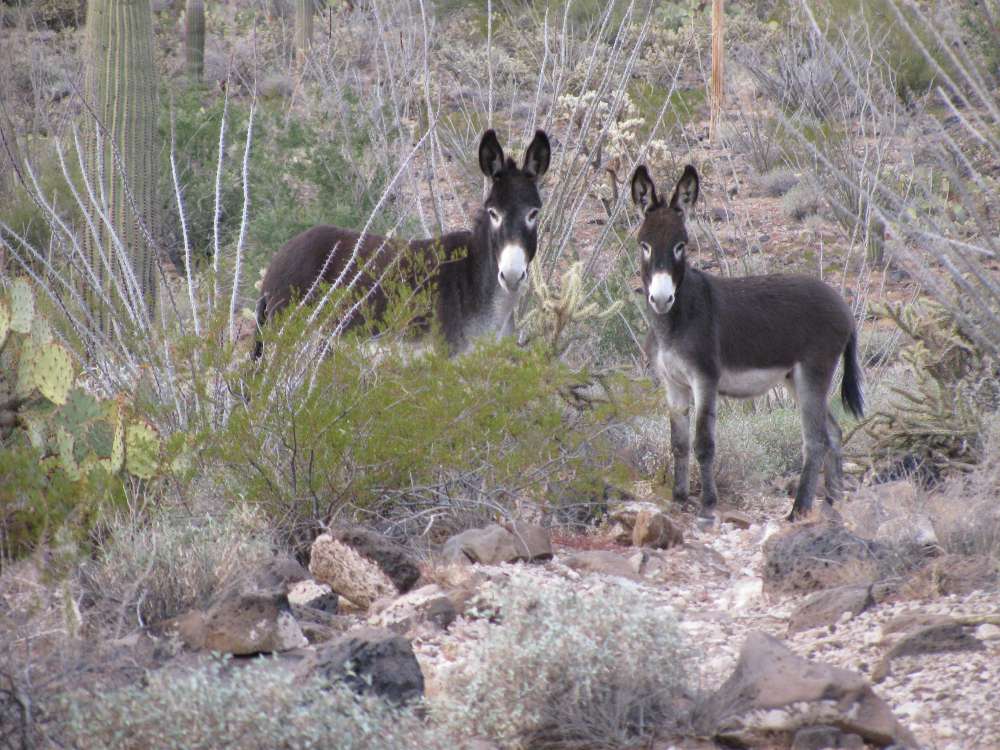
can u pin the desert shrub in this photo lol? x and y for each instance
(160, 568)
(568, 667)
(255, 706)
(777, 182)
(374, 427)
(802, 201)
(757, 442)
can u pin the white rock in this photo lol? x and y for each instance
(745, 592)
(988, 632)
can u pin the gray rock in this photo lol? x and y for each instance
(602, 561)
(531, 542)
(314, 595)
(774, 691)
(494, 544)
(940, 637)
(824, 738)
(371, 660)
(282, 571)
(428, 605)
(826, 607)
(737, 518)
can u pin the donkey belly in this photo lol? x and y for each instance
(750, 383)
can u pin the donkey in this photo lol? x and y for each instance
(739, 337)
(477, 284)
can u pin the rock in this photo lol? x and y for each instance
(737, 518)
(654, 529)
(494, 544)
(395, 561)
(428, 604)
(602, 561)
(487, 546)
(621, 533)
(941, 637)
(242, 622)
(988, 632)
(816, 555)
(319, 596)
(319, 626)
(626, 513)
(954, 574)
(826, 607)
(354, 577)
(824, 737)
(744, 593)
(531, 542)
(370, 660)
(773, 691)
(282, 571)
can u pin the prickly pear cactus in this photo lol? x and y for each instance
(41, 406)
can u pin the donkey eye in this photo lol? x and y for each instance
(532, 217)
(678, 250)
(495, 216)
(646, 249)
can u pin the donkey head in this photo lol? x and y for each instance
(662, 236)
(513, 205)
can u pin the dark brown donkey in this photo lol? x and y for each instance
(740, 337)
(478, 280)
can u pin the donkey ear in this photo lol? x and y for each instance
(643, 189)
(491, 159)
(536, 158)
(686, 192)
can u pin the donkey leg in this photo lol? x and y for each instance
(679, 400)
(834, 468)
(812, 393)
(705, 397)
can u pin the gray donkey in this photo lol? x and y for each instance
(740, 337)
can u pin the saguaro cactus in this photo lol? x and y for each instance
(303, 27)
(123, 154)
(194, 38)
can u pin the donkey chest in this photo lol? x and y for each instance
(494, 319)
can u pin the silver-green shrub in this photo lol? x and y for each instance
(569, 666)
(257, 707)
(160, 569)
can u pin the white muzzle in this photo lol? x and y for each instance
(513, 267)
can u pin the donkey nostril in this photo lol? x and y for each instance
(524, 273)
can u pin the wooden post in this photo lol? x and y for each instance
(718, 68)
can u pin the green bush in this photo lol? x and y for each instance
(256, 707)
(564, 667)
(378, 424)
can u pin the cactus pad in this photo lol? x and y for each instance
(22, 306)
(65, 443)
(52, 372)
(142, 449)
(4, 321)
(41, 331)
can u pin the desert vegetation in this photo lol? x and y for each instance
(157, 484)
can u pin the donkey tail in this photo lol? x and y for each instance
(850, 390)
(258, 344)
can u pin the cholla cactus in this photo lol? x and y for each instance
(558, 311)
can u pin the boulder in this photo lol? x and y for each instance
(824, 738)
(826, 607)
(282, 571)
(394, 560)
(737, 518)
(370, 660)
(430, 605)
(356, 578)
(494, 544)
(819, 554)
(242, 622)
(602, 561)
(654, 529)
(940, 637)
(626, 513)
(314, 595)
(773, 693)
